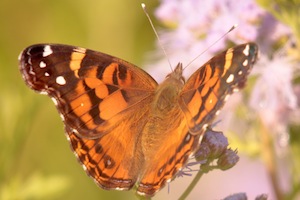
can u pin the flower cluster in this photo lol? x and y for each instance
(213, 153)
(243, 196)
(214, 146)
(194, 25)
(273, 95)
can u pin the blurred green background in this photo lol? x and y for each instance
(35, 157)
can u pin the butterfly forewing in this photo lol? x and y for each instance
(206, 91)
(88, 87)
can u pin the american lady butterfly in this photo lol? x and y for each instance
(123, 127)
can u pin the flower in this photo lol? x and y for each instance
(272, 100)
(273, 96)
(237, 196)
(194, 25)
(213, 147)
(228, 159)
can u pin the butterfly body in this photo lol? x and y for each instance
(124, 128)
(164, 107)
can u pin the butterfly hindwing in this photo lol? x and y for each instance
(172, 157)
(206, 91)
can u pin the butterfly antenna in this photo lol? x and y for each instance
(231, 29)
(156, 34)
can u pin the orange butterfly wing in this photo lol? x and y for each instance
(98, 97)
(170, 157)
(206, 91)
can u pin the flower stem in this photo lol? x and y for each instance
(205, 168)
(191, 186)
(270, 161)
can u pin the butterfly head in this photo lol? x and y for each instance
(167, 92)
(177, 74)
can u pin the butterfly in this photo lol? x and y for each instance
(124, 128)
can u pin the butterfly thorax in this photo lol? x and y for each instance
(166, 95)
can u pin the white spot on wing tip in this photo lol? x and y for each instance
(42, 64)
(236, 90)
(47, 51)
(200, 139)
(62, 117)
(60, 80)
(119, 189)
(140, 193)
(44, 92)
(76, 155)
(74, 131)
(226, 97)
(20, 56)
(29, 61)
(204, 127)
(246, 50)
(54, 101)
(230, 78)
(68, 138)
(80, 50)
